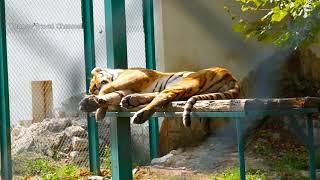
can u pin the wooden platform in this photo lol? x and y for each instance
(236, 105)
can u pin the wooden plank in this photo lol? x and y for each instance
(234, 105)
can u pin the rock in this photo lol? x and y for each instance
(75, 131)
(79, 144)
(80, 122)
(58, 125)
(175, 152)
(78, 157)
(97, 178)
(48, 143)
(61, 155)
(164, 160)
(23, 142)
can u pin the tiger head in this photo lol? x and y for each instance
(100, 77)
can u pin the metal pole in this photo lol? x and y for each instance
(312, 156)
(240, 149)
(5, 140)
(117, 58)
(148, 26)
(89, 52)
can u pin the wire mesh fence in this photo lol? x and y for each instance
(47, 80)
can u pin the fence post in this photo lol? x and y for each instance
(310, 146)
(89, 52)
(117, 58)
(5, 140)
(240, 141)
(148, 26)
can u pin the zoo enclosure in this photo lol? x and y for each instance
(120, 158)
(93, 52)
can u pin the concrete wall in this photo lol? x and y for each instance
(198, 34)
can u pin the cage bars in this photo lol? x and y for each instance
(117, 58)
(148, 26)
(5, 141)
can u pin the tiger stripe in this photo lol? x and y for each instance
(207, 84)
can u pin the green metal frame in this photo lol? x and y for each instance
(239, 117)
(148, 26)
(5, 139)
(117, 58)
(89, 54)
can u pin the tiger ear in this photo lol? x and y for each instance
(96, 70)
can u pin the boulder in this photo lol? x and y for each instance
(79, 144)
(76, 131)
(59, 124)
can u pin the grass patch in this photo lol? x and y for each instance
(234, 174)
(48, 170)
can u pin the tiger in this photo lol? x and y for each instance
(133, 87)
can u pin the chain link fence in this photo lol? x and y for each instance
(47, 80)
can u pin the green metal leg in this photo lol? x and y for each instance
(312, 155)
(93, 145)
(5, 139)
(89, 53)
(117, 58)
(120, 149)
(240, 149)
(148, 26)
(154, 137)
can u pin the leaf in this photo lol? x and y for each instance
(240, 26)
(278, 14)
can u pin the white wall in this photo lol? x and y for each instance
(198, 34)
(45, 52)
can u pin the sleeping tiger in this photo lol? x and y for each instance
(138, 86)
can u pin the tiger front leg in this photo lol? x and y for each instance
(135, 100)
(112, 98)
(89, 104)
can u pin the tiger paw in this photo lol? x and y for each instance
(130, 101)
(100, 114)
(141, 116)
(89, 104)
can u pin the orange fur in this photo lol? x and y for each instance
(136, 86)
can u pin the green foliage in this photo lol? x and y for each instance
(290, 23)
(108, 157)
(50, 171)
(234, 174)
(67, 171)
(38, 167)
(291, 161)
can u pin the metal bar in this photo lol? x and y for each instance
(117, 58)
(148, 26)
(312, 156)
(240, 141)
(282, 111)
(89, 52)
(179, 114)
(5, 140)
